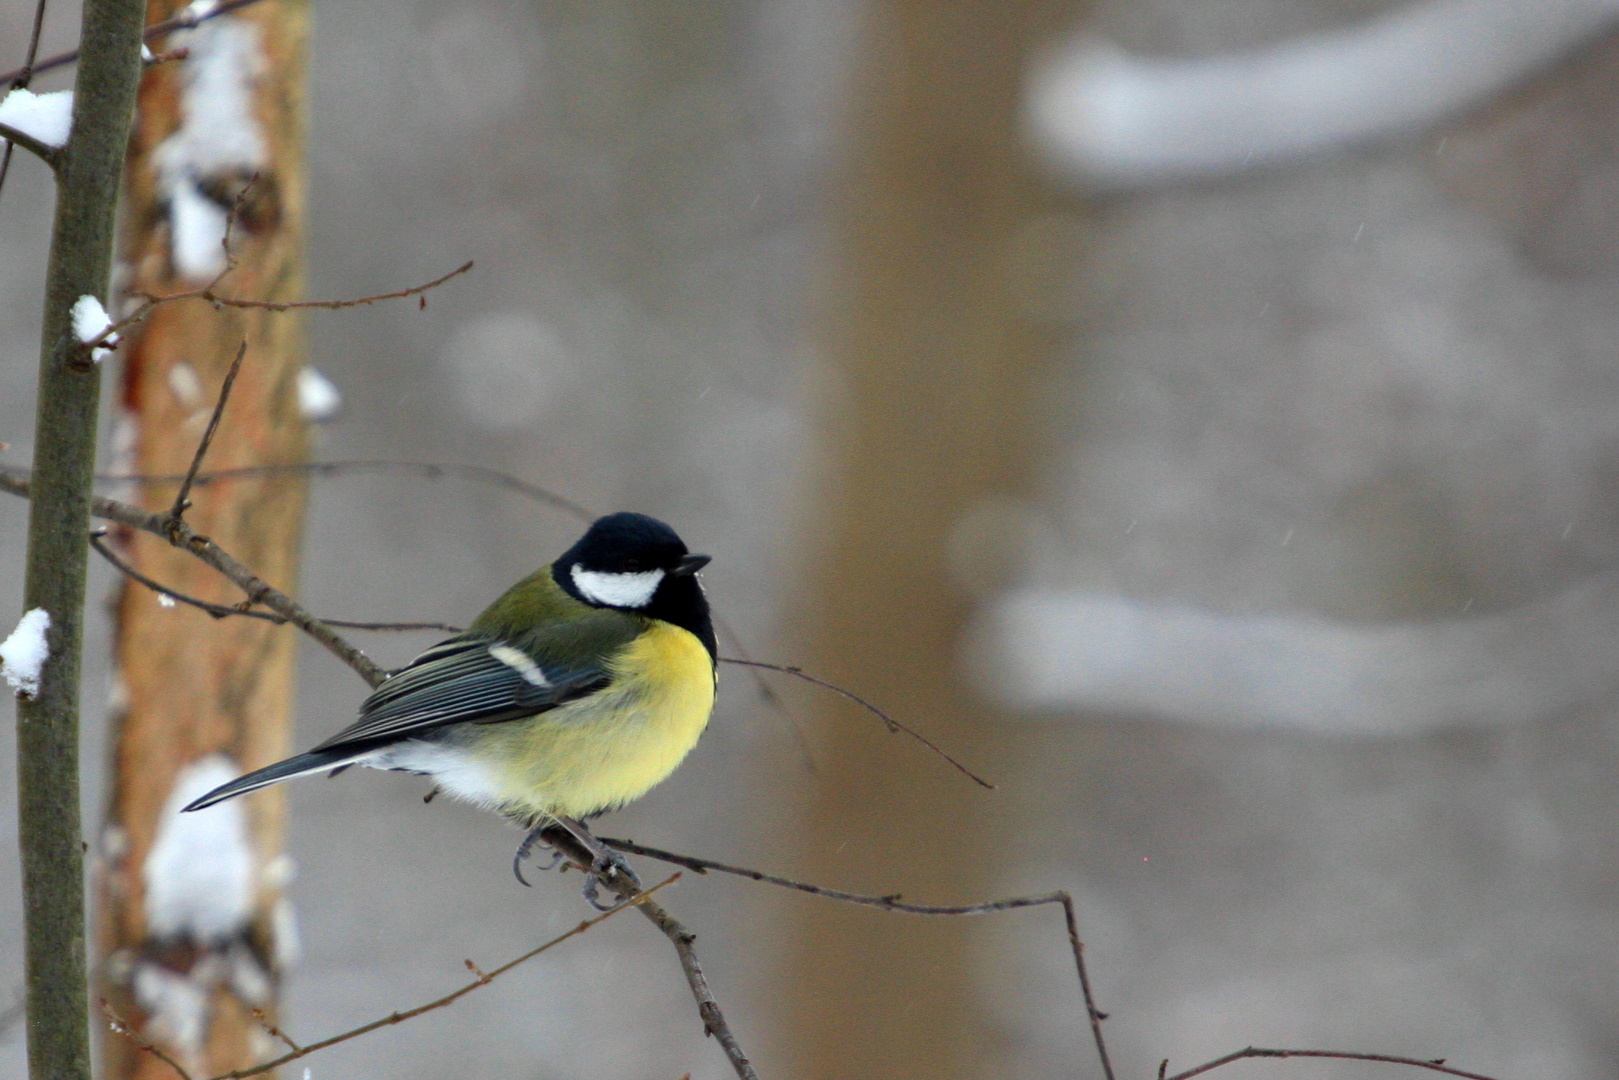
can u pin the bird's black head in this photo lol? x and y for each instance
(636, 563)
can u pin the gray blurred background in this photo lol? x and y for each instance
(1366, 394)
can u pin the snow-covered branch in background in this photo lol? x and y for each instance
(201, 881)
(1116, 120)
(218, 146)
(1054, 651)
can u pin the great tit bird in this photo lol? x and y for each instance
(576, 692)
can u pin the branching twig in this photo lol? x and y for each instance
(893, 903)
(484, 978)
(23, 78)
(50, 155)
(1435, 1065)
(257, 589)
(156, 30)
(222, 611)
(894, 726)
(564, 841)
(123, 1027)
(182, 497)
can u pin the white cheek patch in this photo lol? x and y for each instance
(617, 590)
(521, 663)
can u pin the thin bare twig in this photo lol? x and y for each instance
(123, 1027)
(431, 470)
(273, 1031)
(182, 498)
(257, 589)
(563, 840)
(484, 978)
(1435, 1064)
(223, 611)
(156, 30)
(23, 79)
(207, 293)
(893, 903)
(894, 726)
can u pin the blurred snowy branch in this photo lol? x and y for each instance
(1055, 650)
(1108, 118)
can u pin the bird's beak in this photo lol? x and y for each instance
(690, 564)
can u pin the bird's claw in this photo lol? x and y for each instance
(603, 868)
(526, 848)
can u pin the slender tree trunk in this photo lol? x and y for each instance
(192, 687)
(938, 368)
(58, 524)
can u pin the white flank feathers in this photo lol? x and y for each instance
(617, 590)
(23, 654)
(319, 400)
(218, 138)
(199, 874)
(47, 117)
(90, 321)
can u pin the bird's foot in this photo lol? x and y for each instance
(607, 865)
(526, 848)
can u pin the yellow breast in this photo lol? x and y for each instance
(605, 750)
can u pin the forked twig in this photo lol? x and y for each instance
(893, 903)
(484, 978)
(156, 30)
(182, 498)
(222, 611)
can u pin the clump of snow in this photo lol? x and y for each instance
(176, 1006)
(218, 138)
(90, 321)
(23, 654)
(199, 873)
(198, 10)
(47, 117)
(164, 600)
(319, 399)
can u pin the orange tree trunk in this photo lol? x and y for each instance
(191, 689)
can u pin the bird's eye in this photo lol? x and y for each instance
(632, 566)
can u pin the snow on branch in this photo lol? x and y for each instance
(1112, 119)
(37, 122)
(23, 654)
(90, 326)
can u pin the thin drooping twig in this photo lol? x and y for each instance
(564, 841)
(222, 611)
(894, 726)
(23, 78)
(893, 903)
(156, 30)
(1435, 1065)
(431, 470)
(182, 499)
(484, 978)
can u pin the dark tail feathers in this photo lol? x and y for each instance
(313, 762)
